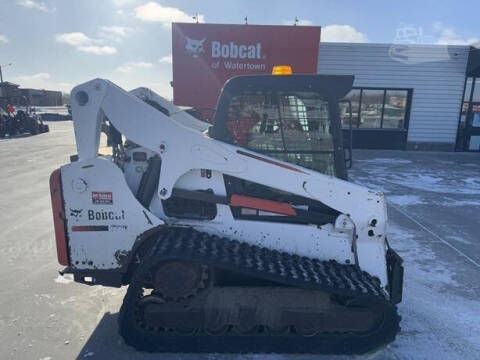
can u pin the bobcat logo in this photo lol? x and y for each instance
(194, 47)
(76, 212)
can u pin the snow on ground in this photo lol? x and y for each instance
(459, 239)
(65, 279)
(436, 323)
(437, 181)
(404, 181)
(432, 223)
(405, 199)
(384, 161)
(467, 202)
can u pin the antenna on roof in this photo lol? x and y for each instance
(246, 20)
(296, 21)
(195, 17)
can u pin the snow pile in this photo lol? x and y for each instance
(65, 279)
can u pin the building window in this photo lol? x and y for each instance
(354, 97)
(376, 108)
(476, 91)
(371, 109)
(395, 109)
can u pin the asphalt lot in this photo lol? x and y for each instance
(434, 205)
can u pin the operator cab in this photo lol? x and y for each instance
(293, 118)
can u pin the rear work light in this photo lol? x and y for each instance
(282, 70)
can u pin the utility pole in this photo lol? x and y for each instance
(1, 75)
(1, 83)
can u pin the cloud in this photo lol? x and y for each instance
(342, 33)
(166, 59)
(114, 33)
(42, 80)
(82, 42)
(131, 65)
(3, 39)
(98, 50)
(39, 76)
(154, 12)
(73, 39)
(37, 5)
(121, 3)
(300, 22)
(448, 36)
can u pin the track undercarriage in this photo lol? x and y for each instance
(235, 297)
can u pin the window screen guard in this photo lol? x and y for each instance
(291, 126)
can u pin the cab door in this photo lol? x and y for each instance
(293, 118)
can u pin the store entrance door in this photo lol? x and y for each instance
(472, 127)
(468, 138)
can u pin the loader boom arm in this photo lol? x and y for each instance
(169, 108)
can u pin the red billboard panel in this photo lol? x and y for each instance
(205, 56)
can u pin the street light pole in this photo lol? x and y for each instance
(1, 75)
(2, 94)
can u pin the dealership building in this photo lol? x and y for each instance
(416, 97)
(405, 96)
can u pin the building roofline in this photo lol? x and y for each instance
(389, 44)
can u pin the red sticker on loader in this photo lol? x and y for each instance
(102, 198)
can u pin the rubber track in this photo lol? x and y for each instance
(187, 244)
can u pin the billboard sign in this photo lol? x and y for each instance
(205, 56)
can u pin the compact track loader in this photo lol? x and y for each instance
(243, 236)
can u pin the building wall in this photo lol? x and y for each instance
(436, 73)
(9, 94)
(37, 97)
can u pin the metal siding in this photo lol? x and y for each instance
(436, 73)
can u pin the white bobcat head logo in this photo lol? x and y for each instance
(194, 47)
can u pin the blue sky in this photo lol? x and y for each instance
(56, 44)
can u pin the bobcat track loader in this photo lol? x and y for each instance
(239, 237)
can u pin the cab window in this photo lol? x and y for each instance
(291, 126)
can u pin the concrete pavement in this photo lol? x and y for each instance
(434, 206)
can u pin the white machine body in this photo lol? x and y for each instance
(104, 219)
